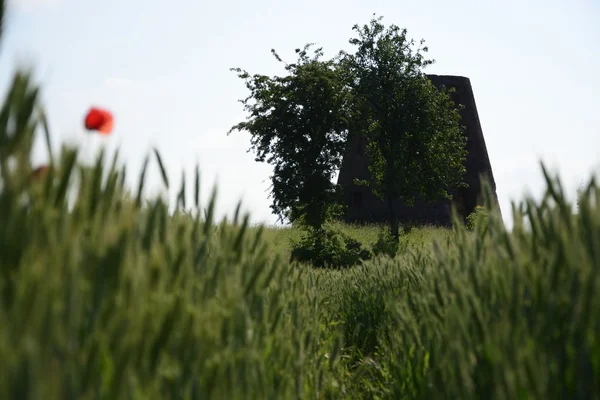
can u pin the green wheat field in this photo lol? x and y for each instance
(105, 294)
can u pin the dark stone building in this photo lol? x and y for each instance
(364, 206)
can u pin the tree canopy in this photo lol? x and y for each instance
(300, 124)
(417, 147)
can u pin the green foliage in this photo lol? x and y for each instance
(478, 216)
(416, 145)
(386, 244)
(329, 248)
(580, 196)
(18, 121)
(298, 123)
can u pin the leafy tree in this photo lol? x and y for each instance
(416, 143)
(298, 124)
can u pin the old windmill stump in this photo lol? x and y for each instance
(364, 207)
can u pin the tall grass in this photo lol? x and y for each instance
(106, 294)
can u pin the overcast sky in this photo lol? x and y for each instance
(162, 67)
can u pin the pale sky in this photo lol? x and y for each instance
(162, 67)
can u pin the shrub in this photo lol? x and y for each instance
(478, 216)
(387, 245)
(328, 248)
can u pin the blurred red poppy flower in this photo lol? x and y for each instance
(98, 119)
(40, 172)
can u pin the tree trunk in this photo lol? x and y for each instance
(394, 228)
